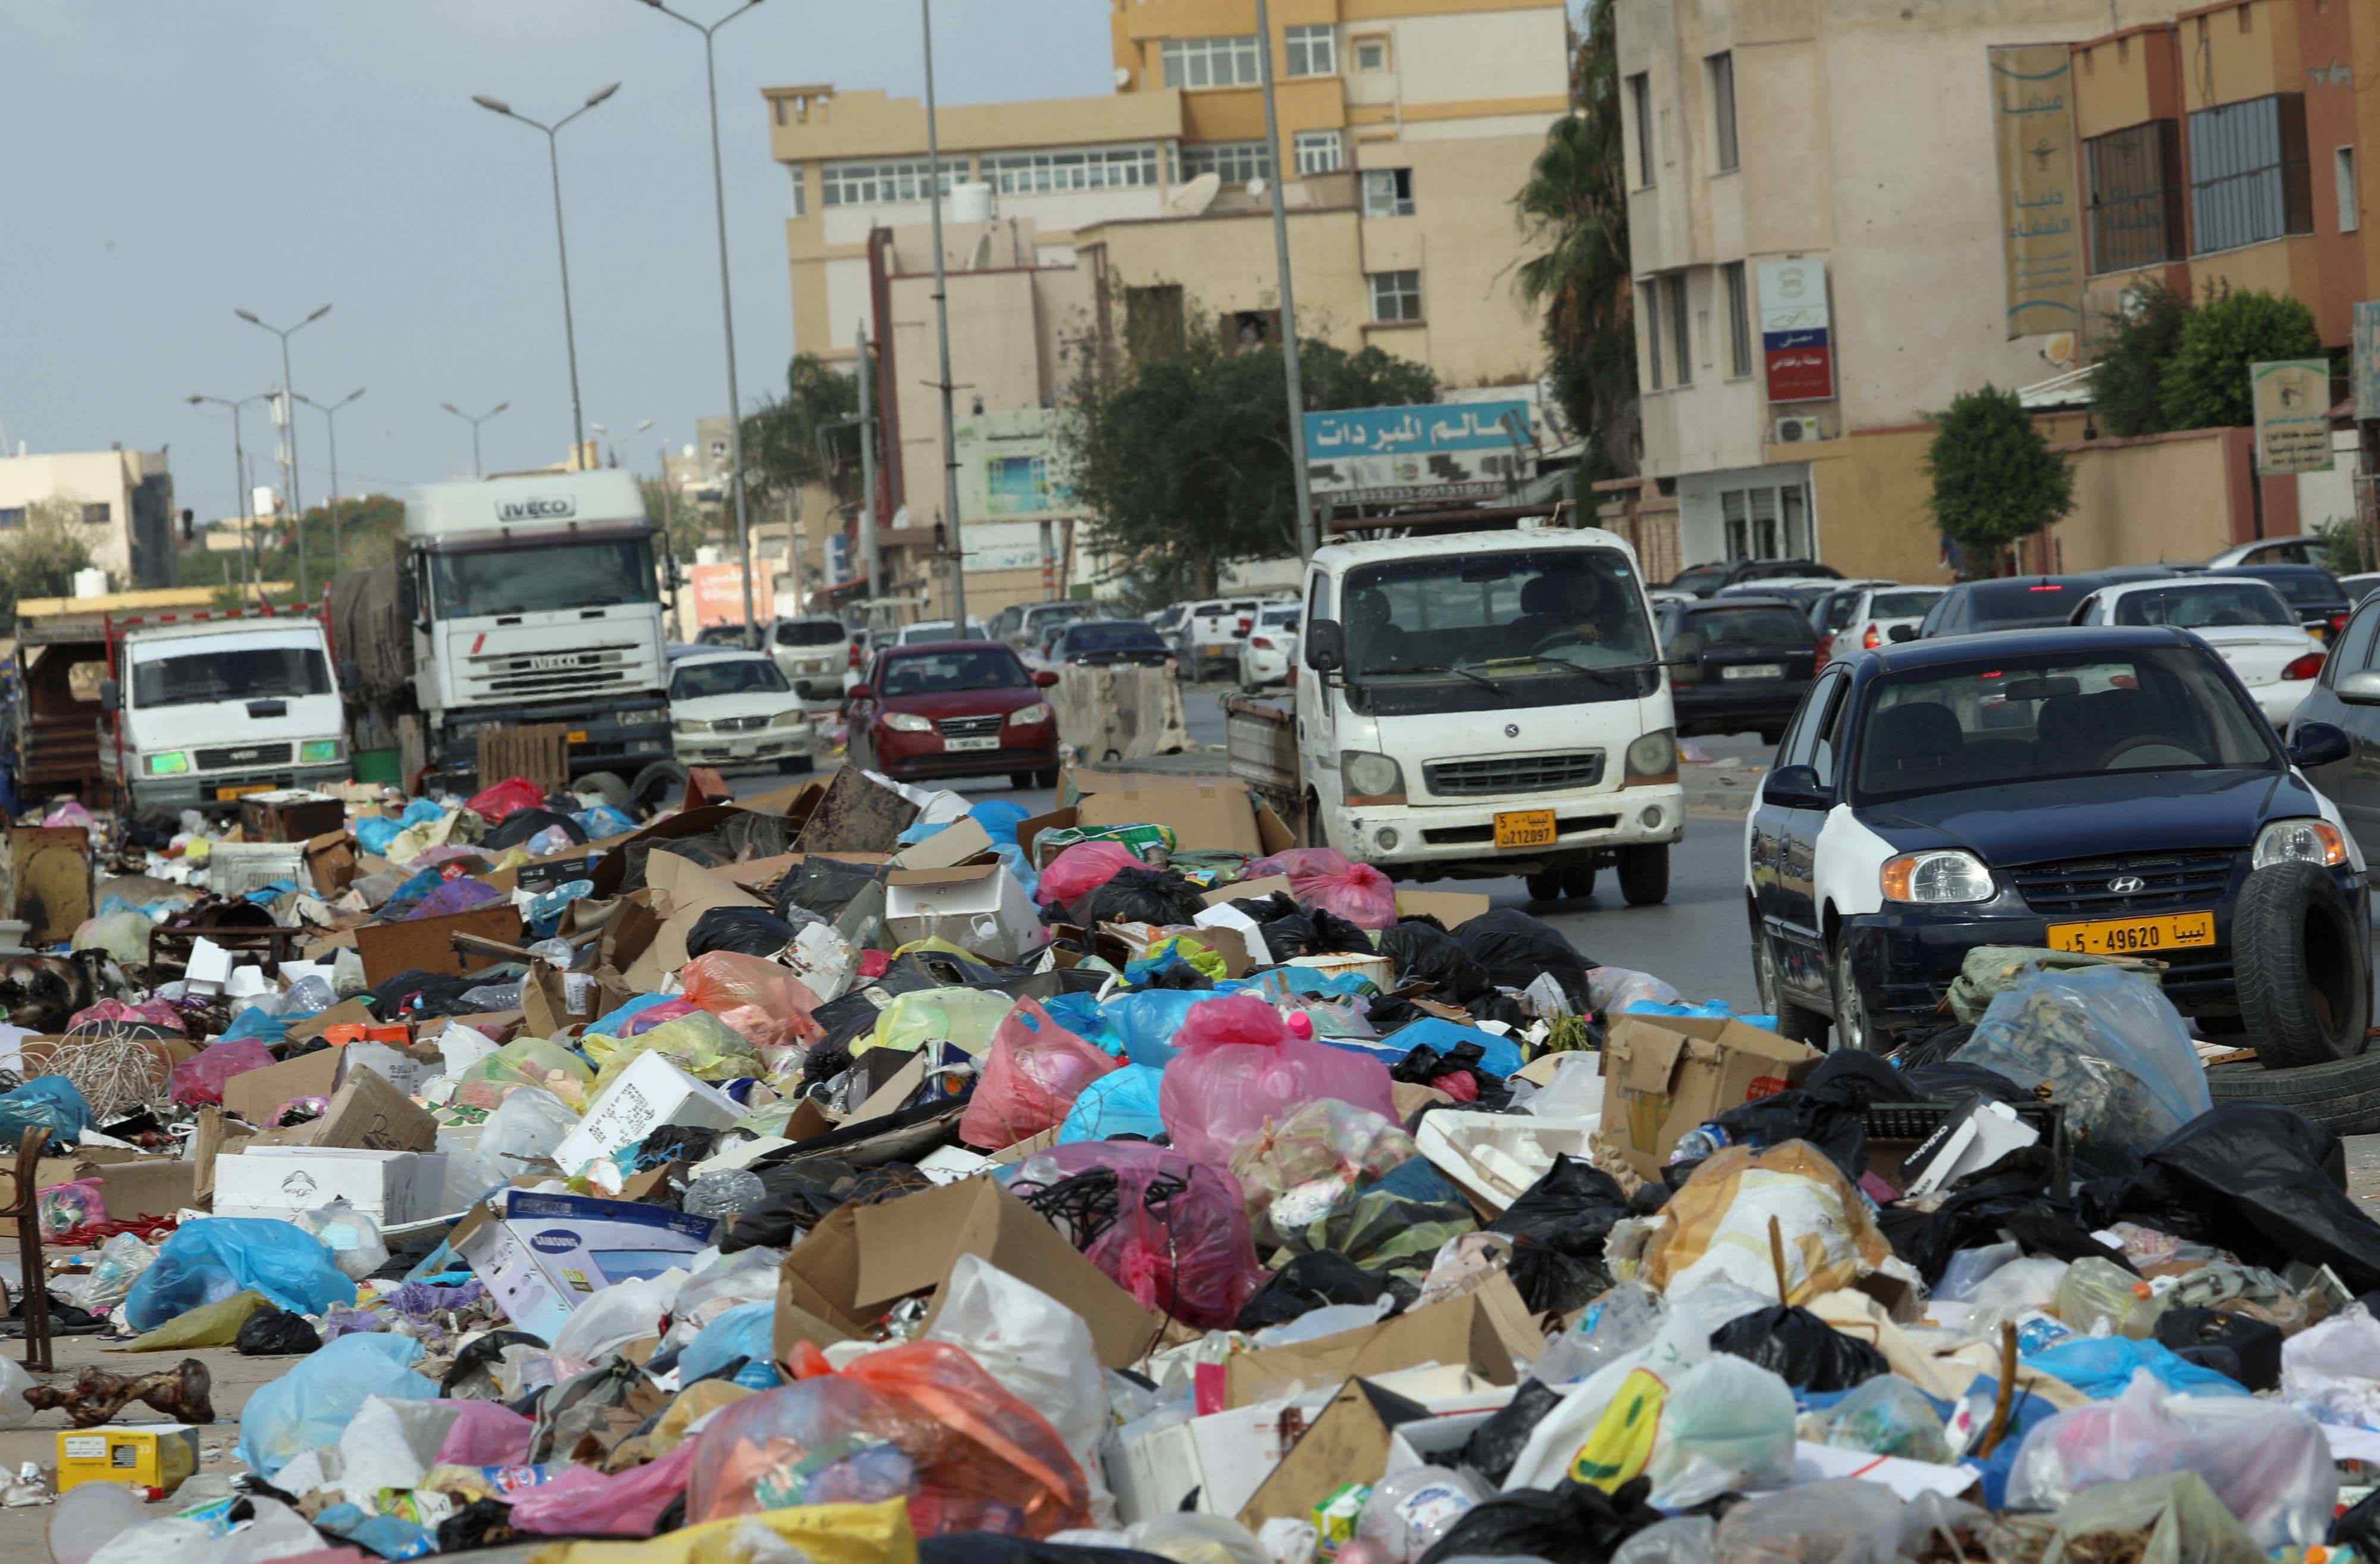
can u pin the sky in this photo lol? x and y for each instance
(165, 162)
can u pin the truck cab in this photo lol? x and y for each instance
(1484, 704)
(198, 711)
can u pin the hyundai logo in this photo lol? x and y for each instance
(2128, 885)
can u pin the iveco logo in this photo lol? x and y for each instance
(239, 757)
(536, 510)
(2128, 884)
(1511, 730)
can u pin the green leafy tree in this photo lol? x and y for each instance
(41, 561)
(687, 525)
(1996, 479)
(2205, 380)
(2128, 388)
(781, 447)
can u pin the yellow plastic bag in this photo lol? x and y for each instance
(704, 1047)
(828, 1534)
(526, 1062)
(935, 945)
(208, 1324)
(1202, 959)
(965, 1016)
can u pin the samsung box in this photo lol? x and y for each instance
(544, 1255)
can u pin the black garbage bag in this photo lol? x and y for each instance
(1292, 930)
(845, 1019)
(1428, 953)
(2359, 1527)
(1513, 948)
(1800, 1348)
(992, 1547)
(483, 1522)
(1833, 1126)
(796, 1195)
(521, 824)
(472, 1378)
(1137, 895)
(1947, 1081)
(1569, 1524)
(1557, 1227)
(423, 995)
(2010, 1196)
(271, 1333)
(676, 1143)
(1933, 1045)
(2245, 1348)
(1306, 1283)
(752, 932)
(824, 886)
(1496, 1444)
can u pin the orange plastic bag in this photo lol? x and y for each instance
(1031, 1077)
(756, 996)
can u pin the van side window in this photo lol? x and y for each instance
(2355, 647)
(1318, 598)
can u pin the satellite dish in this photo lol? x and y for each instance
(1123, 77)
(2060, 348)
(1258, 186)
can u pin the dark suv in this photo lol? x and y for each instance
(1738, 663)
(1702, 580)
(2016, 603)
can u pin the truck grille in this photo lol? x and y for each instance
(1513, 773)
(738, 724)
(2167, 880)
(243, 755)
(572, 671)
(971, 727)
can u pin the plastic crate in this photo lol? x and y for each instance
(1916, 1122)
(235, 868)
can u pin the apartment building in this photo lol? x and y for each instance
(122, 502)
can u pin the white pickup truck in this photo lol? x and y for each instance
(199, 710)
(1477, 704)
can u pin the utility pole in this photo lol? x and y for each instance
(1308, 531)
(286, 416)
(952, 542)
(330, 421)
(867, 544)
(238, 467)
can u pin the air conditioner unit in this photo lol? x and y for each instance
(1798, 431)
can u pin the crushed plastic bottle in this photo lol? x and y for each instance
(1696, 1145)
(726, 1195)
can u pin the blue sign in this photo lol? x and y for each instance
(1419, 430)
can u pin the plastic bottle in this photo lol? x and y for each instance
(2097, 1291)
(1695, 1144)
(1301, 1026)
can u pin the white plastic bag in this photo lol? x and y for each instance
(1622, 1321)
(352, 1237)
(14, 1383)
(748, 1276)
(1689, 1539)
(1409, 1511)
(1727, 1425)
(618, 1315)
(2332, 1372)
(1555, 1442)
(522, 1131)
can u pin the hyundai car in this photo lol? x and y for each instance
(954, 709)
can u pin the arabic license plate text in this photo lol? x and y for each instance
(225, 795)
(1525, 828)
(963, 744)
(2135, 936)
(1753, 670)
(575, 736)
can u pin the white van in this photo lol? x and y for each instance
(201, 712)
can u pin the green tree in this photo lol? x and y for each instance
(782, 449)
(1184, 460)
(2126, 389)
(1573, 210)
(41, 561)
(2205, 381)
(1996, 479)
(687, 526)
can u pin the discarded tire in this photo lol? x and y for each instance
(659, 786)
(2342, 1096)
(2302, 967)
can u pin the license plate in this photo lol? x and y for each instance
(575, 736)
(1525, 828)
(2135, 936)
(959, 743)
(1753, 670)
(225, 795)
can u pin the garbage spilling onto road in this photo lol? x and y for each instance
(859, 1175)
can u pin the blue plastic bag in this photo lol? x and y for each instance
(373, 833)
(1501, 1056)
(2100, 1367)
(208, 1260)
(546, 910)
(604, 821)
(1083, 1016)
(741, 1332)
(45, 1102)
(1151, 1019)
(1121, 1103)
(311, 1405)
(1710, 1009)
(253, 1022)
(609, 1025)
(421, 812)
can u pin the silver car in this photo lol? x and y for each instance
(812, 652)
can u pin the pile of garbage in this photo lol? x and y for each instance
(859, 1174)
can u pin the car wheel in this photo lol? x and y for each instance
(2302, 967)
(1578, 884)
(2342, 1094)
(1644, 875)
(607, 786)
(794, 765)
(1020, 781)
(659, 786)
(1795, 1022)
(1854, 1029)
(1545, 886)
(1046, 778)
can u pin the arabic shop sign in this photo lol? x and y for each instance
(2292, 401)
(1428, 453)
(1796, 330)
(2041, 229)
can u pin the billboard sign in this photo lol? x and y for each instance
(2292, 401)
(2041, 227)
(718, 591)
(1429, 452)
(2367, 361)
(1797, 338)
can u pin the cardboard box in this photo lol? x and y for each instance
(860, 1260)
(1222, 1459)
(254, 1093)
(978, 908)
(961, 842)
(290, 816)
(652, 1091)
(1207, 814)
(147, 1455)
(1488, 1329)
(146, 1186)
(1348, 1442)
(428, 944)
(278, 1182)
(1452, 908)
(548, 1254)
(347, 1013)
(331, 862)
(556, 1003)
(1667, 1075)
(366, 1112)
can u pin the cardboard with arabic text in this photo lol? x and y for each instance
(1667, 1075)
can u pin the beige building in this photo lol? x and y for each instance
(123, 501)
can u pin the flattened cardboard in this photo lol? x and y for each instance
(546, 996)
(1350, 1435)
(1452, 908)
(961, 842)
(1488, 1329)
(254, 1093)
(613, 872)
(1249, 889)
(428, 944)
(368, 1113)
(1666, 1074)
(1207, 814)
(153, 1186)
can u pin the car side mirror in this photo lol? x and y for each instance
(1902, 633)
(2319, 743)
(1045, 679)
(1326, 645)
(111, 697)
(1796, 787)
(2358, 689)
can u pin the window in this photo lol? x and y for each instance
(1018, 173)
(1320, 152)
(1640, 103)
(1769, 522)
(542, 580)
(97, 513)
(2133, 181)
(1681, 349)
(1211, 62)
(1388, 192)
(1722, 87)
(1016, 485)
(196, 678)
(1739, 320)
(1234, 163)
(729, 675)
(1371, 54)
(2351, 206)
(873, 184)
(801, 192)
(2248, 176)
(11, 517)
(1313, 51)
(1396, 295)
(1650, 312)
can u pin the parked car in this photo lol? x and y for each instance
(1804, 594)
(1737, 664)
(1210, 635)
(720, 634)
(954, 709)
(1026, 624)
(2345, 695)
(1831, 609)
(2105, 790)
(1866, 616)
(2320, 602)
(813, 651)
(926, 630)
(737, 708)
(2359, 587)
(1270, 652)
(2297, 547)
(2243, 619)
(1702, 580)
(1103, 643)
(1168, 620)
(2019, 601)
(2113, 574)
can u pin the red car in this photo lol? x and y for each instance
(954, 709)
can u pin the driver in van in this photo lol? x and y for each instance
(1375, 642)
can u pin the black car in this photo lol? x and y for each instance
(2101, 789)
(1103, 643)
(2321, 604)
(1737, 664)
(1702, 580)
(2019, 601)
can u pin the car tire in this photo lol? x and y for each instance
(1644, 874)
(1047, 777)
(2342, 1096)
(657, 785)
(1545, 886)
(2302, 967)
(1854, 1029)
(795, 764)
(1578, 884)
(607, 786)
(1795, 1022)
(1020, 780)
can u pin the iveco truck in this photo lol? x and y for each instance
(515, 600)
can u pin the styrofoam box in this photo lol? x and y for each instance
(652, 1091)
(277, 1181)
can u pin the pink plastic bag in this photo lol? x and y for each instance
(582, 1502)
(1082, 869)
(111, 1013)
(1239, 1068)
(201, 1080)
(492, 803)
(756, 996)
(80, 1203)
(1179, 1240)
(1032, 1075)
(1321, 877)
(485, 1433)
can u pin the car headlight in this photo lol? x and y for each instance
(1655, 755)
(172, 763)
(796, 718)
(1026, 716)
(2300, 842)
(315, 751)
(1933, 878)
(643, 717)
(1369, 777)
(908, 723)
(691, 725)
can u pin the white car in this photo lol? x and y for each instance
(1873, 616)
(735, 709)
(814, 653)
(1270, 650)
(2247, 621)
(1209, 634)
(2297, 548)
(926, 630)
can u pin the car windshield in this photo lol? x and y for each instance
(546, 579)
(1986, 723)
(1279, 618)
(2006, 605)
(193, 678)
(1114, 637)
(2205, 605)
(741, 676)
(809, 633)
(1059, 613)
(1701, 578)
(1749, 627)
(966, 668)
(1900, 605)
(2305, 589)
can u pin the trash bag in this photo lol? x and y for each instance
(1622, 1321)
(758, 997)
(1239, 1067)
(1409, 1510)
(1715, 1227)
(1170, 1231)
(208, 1324)
(1558, 1225)
(1306, 1282)
(1040, 1351)
(1688, 1539)
(1082, 869)
(459, 895)
(1888, 1415)
(199, 1080)
(1290, 930)
(752, 932)
(1394, 1226)
(1426, 953)
(352, 1237)
(538, 1062)
(1800, 1348)
(969, 1017)
(2250, 1351)
(523, 827)
(1727, 1425)
(64, 1207)
(702, 1044)
(277, 1333)
(1150, 1022)
(1030, 1079)
(311, 1405)
(2175, 1512)
(212, 1257)
(496, 801)
(2331, 1371)
(2107, 1043)
(1325, 878)
(1311, 1156)
(1138, 895)
(52, 1103)
(1846, 1518)
(825, 885)
(1118, 1105)
(1571, 1524)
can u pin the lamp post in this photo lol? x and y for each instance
(641, 427)
(1308, 530)
(951, 541)
(289, 433)
(238, 462)
(477, 469)
(330, 421)
(727, 302)
(553, 163)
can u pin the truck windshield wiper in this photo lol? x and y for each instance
(1579, 667)
(1479, 679)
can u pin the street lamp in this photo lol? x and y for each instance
(727, 302)
(331, 420)
(954, 544)
(553, 163)
(477, 471)
(606, 433)
(290, 437)
(239, 460)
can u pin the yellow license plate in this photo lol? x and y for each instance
(1525, 828)
(2135, 936)
(225, 795)
(575, 736)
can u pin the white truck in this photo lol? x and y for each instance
(199, 710)
(1477, 704)
(516, 601)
